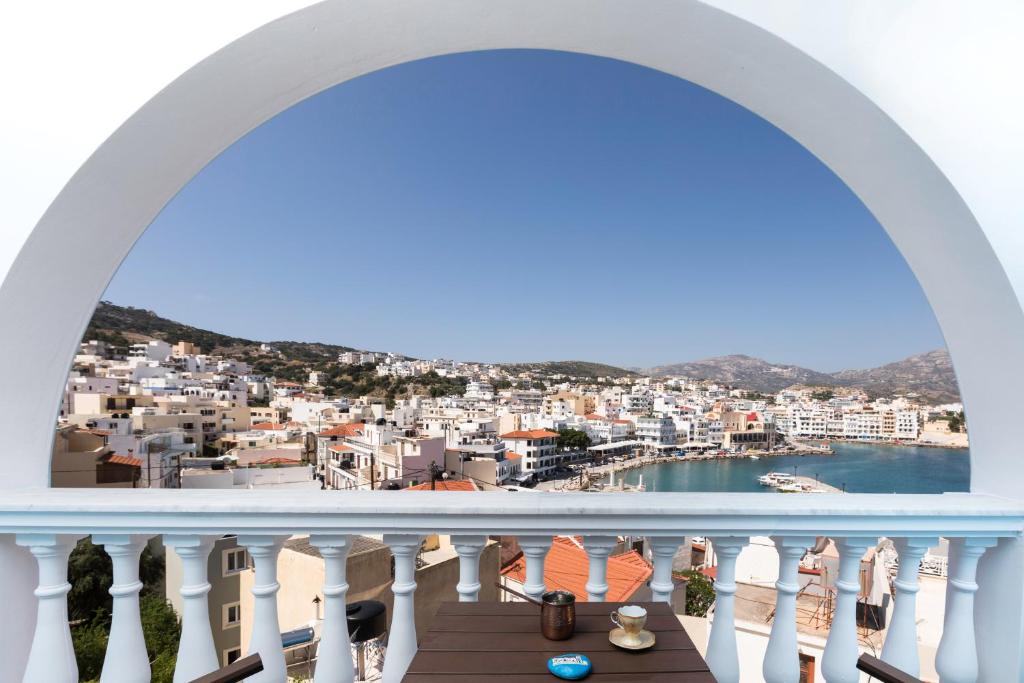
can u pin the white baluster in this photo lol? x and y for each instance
(197, 655)
(266, 629)
(402, 637)
(52, 657)
(839, 663)
(128, 661)
(598, 549)
(664, 552)
(900, 648)
(722, 655)
(957, 657)
(469, 549)
(782, 660)
(334, 654)
(535, 549)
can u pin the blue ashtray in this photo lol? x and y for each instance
(571, 667)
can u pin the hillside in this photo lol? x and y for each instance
(122, 324)
(288, 360)
(746, 372)
(928, 374)
(570, 368)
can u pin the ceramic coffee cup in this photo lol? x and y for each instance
(631, 619)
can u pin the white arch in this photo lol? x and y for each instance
(755, 53)
(121, 188)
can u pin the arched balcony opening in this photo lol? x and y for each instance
(123, 186)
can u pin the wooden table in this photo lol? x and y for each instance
(500, 642)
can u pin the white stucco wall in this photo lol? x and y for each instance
(915, 104)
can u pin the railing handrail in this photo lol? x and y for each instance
(253, 511)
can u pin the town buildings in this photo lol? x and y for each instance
(171, 406)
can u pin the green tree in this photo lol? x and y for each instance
(90, 643)
(700, 594)
(573, 439)
(823, 395)
(90, 573)
(163, 631)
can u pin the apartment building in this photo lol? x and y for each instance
(637, 404)
(567, 403)
(537, 448)
(656, 432)
(862, 426)
(154, 349)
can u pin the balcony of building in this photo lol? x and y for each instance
(49, 522)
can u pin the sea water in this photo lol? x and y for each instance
(857, 468)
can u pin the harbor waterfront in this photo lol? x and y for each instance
(860, 468)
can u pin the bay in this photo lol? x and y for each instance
(859, 468)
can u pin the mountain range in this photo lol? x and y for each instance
(930, 375)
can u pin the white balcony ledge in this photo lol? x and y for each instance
(158, 511)
(49, 521)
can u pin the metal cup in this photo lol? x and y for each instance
(558, 615)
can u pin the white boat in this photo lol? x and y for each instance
(755, 457)
(775, 479)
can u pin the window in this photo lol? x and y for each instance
(235, 560)
(230, 656)
(231, 615)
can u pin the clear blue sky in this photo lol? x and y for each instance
(527, 205)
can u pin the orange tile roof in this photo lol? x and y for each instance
(509, 455)
(350, 429)
(594, 416)
(269, 425)
(340, 448)
(530, 434)
(124, 460)
(445, 485)
(567, 568)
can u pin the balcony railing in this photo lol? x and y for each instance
(49, 522)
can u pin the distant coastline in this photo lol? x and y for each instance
(905, 444)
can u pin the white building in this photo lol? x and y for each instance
(862, 426)
(154, 349)
(537, 446)
(656, 431)
(637, 403)
(480, 390)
